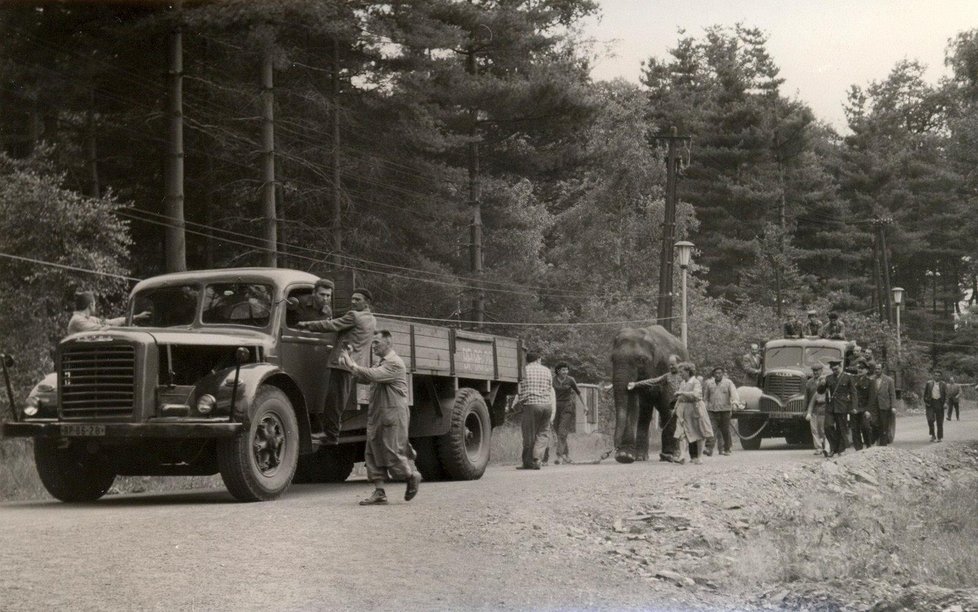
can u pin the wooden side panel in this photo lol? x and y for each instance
(507, 354)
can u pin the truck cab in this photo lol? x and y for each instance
(777, 408)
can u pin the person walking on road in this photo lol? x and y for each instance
(720, 395)
(816, 401)
(692, 420)
(953, 398)
(536, 398)
(565, 388)
(670, 382)
(388, 451)
(842, 401)
(935, 401)
(861, 422)
(884, 398)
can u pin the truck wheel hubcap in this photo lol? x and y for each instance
(269, 444)
(473, 436)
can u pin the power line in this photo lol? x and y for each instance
(67, 267)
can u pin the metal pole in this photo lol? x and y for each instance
(268, 159)
(898, 332)
(684, 329)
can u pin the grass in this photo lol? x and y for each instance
(929, 536)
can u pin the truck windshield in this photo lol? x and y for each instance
(238, 304)
(823, 354)
(165, 306)
(783, 357)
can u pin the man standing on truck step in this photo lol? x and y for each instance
(388, 450)
(750, 363)
(354, 332)
(536, 398)
(842, 400)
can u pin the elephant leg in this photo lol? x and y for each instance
(626, 412)
(667, 423)
(643, 424)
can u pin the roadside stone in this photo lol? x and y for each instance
(675, 577)
(862, 476)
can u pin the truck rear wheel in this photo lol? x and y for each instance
(72, 474)
(258, 463)
(464, 450)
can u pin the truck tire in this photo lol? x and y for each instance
(746, 427)
(258, 463)
(464, 450)
(427, 460)
(72, 474)
(328, 464)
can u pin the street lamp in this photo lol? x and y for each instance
(898, 301)
(684, 252)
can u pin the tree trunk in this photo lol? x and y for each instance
(268, 159)
(335, 101)
(176, 241)
(94, 186)
(475, 205)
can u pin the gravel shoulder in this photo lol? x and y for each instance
(606, 536)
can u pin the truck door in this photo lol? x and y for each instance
(304, 353)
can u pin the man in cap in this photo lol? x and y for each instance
(842, 401)
(812, 326)
(884, 400)
(354, 331)
(388, 452)
(720, 395)
(316, 306)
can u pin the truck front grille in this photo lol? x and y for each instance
(783, 387)
(97, 380)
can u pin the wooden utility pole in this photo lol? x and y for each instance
(94, 185)
(887, 287)
(475, 205)
(666, 263)
(268, 158)
(335, 100)
(176, 240)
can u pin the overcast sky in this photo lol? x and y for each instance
(821, 46)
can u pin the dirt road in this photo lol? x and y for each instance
(551, 539)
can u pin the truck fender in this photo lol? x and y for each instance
(751, 397)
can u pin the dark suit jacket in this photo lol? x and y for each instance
(927, 392)
(843, 396)
(883, 398)
(305, 309)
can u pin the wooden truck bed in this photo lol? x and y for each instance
(444, 351)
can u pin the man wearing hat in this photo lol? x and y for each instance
(354, 331)
(316, 306)
(842, 401)
(812, 326)
(720, 395)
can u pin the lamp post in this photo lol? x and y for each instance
(684, 251)
(898, 301)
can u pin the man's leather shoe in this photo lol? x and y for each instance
(377, 497)
(412, 486)
(623, 457)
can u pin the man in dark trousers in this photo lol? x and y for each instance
(935, 400)
(861, 423)
(354, 330)
(842, 401)
(953, 398)
(884, 403)
(536, 399)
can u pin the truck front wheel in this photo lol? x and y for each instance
(71, 473)
(258, 463)
(464, 450)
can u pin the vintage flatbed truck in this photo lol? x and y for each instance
(218, 379)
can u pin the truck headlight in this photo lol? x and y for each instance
(206, 403)
(31, 406)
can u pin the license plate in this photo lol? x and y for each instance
(785, 415)
(83, 430)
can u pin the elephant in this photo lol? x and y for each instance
(637, 354)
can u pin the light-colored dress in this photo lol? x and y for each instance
(692, 420)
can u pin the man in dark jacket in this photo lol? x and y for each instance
(953, 398)
(842, 401)
(935, 399)
(354, 332)
(861, 423)
(883, 403)
(316, 306)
